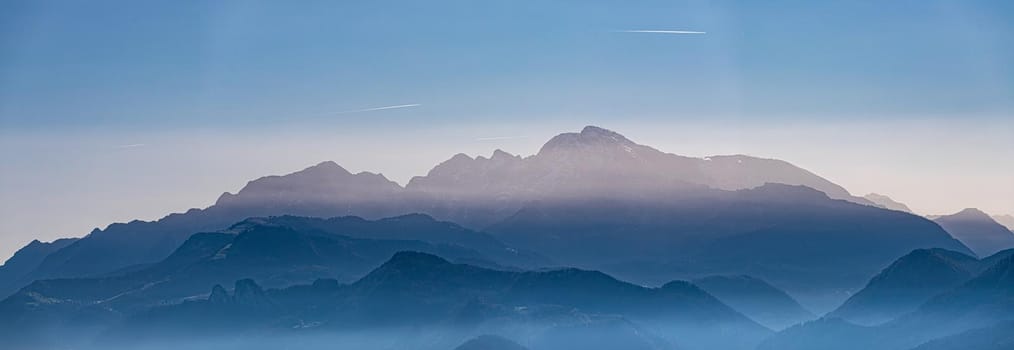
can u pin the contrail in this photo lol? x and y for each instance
(379, 108)
(497, 138)
(663, 31)
(133, 145)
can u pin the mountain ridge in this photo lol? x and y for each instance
(473, 192)
(887, 202)
(445, 303)
(907, 283)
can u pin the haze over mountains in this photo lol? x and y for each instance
(978, 231)
(757, 299)
(887, 202)
(906, 284)
(513, 247)
(1006, 220)
(971, 314)
(443, 303)
(597, 174)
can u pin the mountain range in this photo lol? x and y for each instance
(276, 252)
(424, 301)
(596, 187)
(590, 242)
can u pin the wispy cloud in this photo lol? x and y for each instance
(498, 138)
(379, 108)
(651, 31)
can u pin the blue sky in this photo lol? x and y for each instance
(103, 104)
(186, 64)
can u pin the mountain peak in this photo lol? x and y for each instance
(413, 259)
(219, 295)
(907, 283)
(978, 231)
(407, 270)
(327, 165)
(249, 292)
(594, 131)
(589, 136)
(972, 213)
(924, 255)
(1000, 275)
(967, 214)
(499, 153)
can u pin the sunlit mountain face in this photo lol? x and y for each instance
(507, 175)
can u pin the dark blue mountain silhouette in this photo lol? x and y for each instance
(757, 299)
(26, 259)
(793, 236)
(907, 283)
(439, 304)
(984, 303)
(261, 249)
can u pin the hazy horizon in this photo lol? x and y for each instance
(106, 107)
(154, 166)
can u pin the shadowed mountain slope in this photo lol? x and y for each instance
(907, 283)
(978, 231)
(259, 249)
(324, 190)
(981, 305)
(439, 305)
(793, 236)
(16, 269)
(756, 299)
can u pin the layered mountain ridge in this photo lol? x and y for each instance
(594, 173)
(951, 311)
(586, 243)
(887, 202)
(907, 283)
(438, 303)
